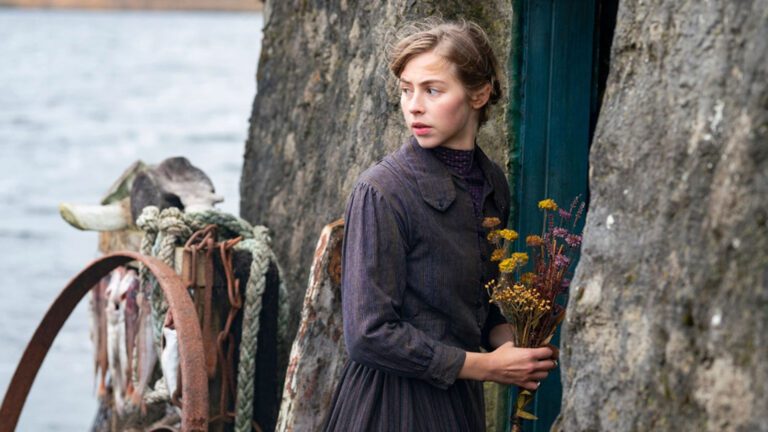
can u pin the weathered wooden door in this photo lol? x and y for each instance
(554, 102)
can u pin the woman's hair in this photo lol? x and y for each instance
(463, 43)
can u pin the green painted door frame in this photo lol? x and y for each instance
(552, 103)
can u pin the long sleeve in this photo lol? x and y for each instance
(373, 282)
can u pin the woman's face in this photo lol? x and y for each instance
(435, 105)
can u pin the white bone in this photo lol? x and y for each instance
(111, 217)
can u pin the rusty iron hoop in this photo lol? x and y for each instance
(194, 416)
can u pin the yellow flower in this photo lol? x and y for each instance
(508, 234)
(491, 222)
(520, 257)
(521, 302)
(533, 240)
(508, 265)
(497, 255)
(548, 204)
(527, 278)
(493, 235)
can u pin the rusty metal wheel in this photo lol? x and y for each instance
(193, 371)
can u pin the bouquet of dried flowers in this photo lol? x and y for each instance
(528, 299)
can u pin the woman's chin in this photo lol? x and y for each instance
(427, 142)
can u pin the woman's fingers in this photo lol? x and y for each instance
(531, 385)
(523, 366)
(542, 353)
(547, 357)
(529, 381)
(555, 351)
(536, 375)
(544, 365)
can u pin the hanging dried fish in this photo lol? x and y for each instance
(146, 354)
(130, 284)
(99, 333)
(116, 337)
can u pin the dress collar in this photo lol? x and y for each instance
(459, 161)
(436, 180)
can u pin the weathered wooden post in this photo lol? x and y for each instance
(318, 353)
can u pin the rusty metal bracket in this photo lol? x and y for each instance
(194, 416)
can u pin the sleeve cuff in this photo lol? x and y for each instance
(445, 366)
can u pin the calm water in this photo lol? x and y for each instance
(83, 95)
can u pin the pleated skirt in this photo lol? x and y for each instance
(369, 400)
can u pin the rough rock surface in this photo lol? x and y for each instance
(327, 109)
(667, 326)
(318, 354)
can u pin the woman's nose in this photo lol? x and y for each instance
(415, 104)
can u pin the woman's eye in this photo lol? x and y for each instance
(433, 91)
(405, 90)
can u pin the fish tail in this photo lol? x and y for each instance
(102, 390)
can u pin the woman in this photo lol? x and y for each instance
(415, 257)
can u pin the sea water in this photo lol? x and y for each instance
(82, 96)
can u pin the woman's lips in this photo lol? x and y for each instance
(420, 129)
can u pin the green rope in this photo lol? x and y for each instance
(228, 226)
(259, 247)
(164, 230)
(234, 227)
(147, 222)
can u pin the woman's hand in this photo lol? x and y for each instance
(500, 334)
(524, 367)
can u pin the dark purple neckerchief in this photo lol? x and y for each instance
(464, 163)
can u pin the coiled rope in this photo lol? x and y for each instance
(163, 231)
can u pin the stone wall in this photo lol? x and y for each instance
(667, 327)
(327, 109)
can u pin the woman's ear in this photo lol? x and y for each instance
(479, 97)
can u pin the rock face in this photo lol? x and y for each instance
(327, 109)
(667, 327)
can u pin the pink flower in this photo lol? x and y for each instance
(560, 232)
(564, 214)
(562, 261)
(573, 240)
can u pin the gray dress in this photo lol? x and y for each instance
(414, 264)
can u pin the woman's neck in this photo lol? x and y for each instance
(465, 141)
(460, 161)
